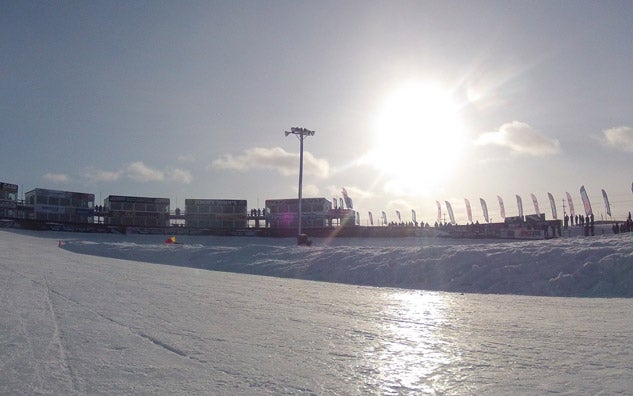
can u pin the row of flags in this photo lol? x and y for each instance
(343, 202)
(346, 201)
(383, 217)
(502, 211)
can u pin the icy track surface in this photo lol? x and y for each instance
(599, 266)
(73, 324)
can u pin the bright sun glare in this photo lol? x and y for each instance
(418, 138)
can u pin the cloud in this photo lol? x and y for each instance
(97, 175)
(56, 178)
(520, 138)
(274, 158)
(353, 192)
(180, 175)
(398, 204)
(310, 190)
(140, 172)
(619, 137)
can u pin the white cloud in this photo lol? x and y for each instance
(619, 137)
(353, 192)
(520, 138)
(399, 204)
(310, 190)
(274, 158)
(98, 175)
(140, 172)
(180, 175)
(56, 178)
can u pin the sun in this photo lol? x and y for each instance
(418, 138)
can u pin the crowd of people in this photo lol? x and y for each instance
(258, 212)
(578, 220)
(587, 222)
(411, 224)
(626, 226)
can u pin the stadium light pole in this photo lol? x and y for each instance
(300, 133)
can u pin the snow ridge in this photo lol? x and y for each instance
(600, 266)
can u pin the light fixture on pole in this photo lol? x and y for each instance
(301, 133)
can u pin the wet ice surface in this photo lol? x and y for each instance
(80, 324)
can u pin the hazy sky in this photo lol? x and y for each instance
(412, 102)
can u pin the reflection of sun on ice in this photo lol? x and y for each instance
(416, 350)
(418, 137)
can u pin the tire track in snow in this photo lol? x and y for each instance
(58, 340)
(163, 345)
(154, 340)
(22, 329)
(57, 332)
(37, 380)
(40, 368)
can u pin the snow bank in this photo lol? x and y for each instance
(600, 266)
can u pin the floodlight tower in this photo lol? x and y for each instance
(301, 134)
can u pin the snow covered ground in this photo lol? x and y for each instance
(112, 321)
(598, 266)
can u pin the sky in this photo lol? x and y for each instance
(412, 102)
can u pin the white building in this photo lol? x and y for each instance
(284, 213)
(62, 206)
(8, 200)
(136, 211)
(215, 213)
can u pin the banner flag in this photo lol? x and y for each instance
(398, 215)
(535, 202)
(384, 218)
(484, 209)
(357, 218)
(341, 206)
(552, 204)
(348, 200)
(469, 212)
(413, 218)
(450, 212)
(502, 209)
(371, 219)
(439, 212)
(572, 212)
(334, 203)
(606, 202)
(585, 200)
(520, 206)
